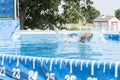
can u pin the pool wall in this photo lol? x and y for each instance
(9, 30)
(17, 67)
(14, 67)
(115, 36)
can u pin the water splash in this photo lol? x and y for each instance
(56, 30)
(98, 37)
(98, 42)
(58, 36)
(65, 36)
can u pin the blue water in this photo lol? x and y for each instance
(50, 45)
(102, 47)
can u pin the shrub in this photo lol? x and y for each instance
(73, 28)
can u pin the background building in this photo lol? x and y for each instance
(107, 23)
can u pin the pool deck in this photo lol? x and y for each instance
(46, 32)
(29, 31)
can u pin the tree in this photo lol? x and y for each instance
(76, 10)
(24, 4)
(90, 14)
(71, 11)
(38, 13)
(43, 14)
(117, 13)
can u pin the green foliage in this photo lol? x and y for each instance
(71, 11)
(40, 13)
(44, 14)
(73, 28)
(90, 14)
(117, 13)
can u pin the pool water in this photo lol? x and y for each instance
(101, 47)
(51, 45)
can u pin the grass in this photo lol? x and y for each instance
(6, 18)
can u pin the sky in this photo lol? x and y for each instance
(107, 7)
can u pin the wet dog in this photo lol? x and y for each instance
(85, 37)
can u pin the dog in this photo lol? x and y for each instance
(85, 37)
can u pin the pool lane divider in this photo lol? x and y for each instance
(39, 68)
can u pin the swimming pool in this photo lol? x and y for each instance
(60, 57)
(63, 46)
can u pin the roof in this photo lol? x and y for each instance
(103, 18)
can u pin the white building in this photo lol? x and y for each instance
(107, 23)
